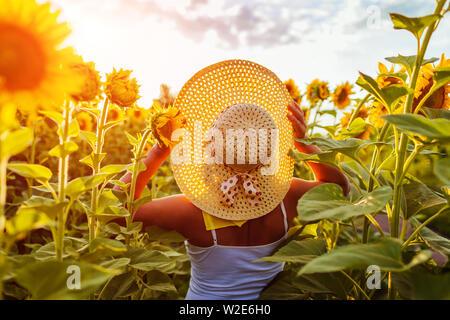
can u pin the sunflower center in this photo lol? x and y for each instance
(342, 96)
(22, 60)
(437, 99)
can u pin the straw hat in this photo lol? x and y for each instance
(234, 94)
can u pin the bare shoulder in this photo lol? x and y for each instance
(172, 212)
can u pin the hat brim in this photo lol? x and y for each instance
(203, 98)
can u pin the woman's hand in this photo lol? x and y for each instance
(297, 119)
(322, 172)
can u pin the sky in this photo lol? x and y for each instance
(167, 41)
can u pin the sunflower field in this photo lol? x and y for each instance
(68, 134)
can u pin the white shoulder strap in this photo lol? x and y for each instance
(285, 217)
(213, 232)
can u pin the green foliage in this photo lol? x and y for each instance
(32, 171)
(409, 61)
(414, 25)
(49, 280)
(388, 96)
(327, 201)
(418, 125)
(15, 142)
(442, 171)
(66, 206)
(386, 254)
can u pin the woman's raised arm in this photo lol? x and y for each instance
(322, 172)
(155, 157)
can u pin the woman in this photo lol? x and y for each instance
(222, 258)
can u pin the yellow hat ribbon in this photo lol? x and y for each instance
(212, 222)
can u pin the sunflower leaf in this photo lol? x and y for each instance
(63, 150)
(409, 61)
(436, 113)
(388, 95)
(441, 78)
(416, 124)
(419, 197)
(386, 254)
(414, 25)
(89, 137)
(49, 280)
(33, 171)
(74, 129)
(327, 201)
(432, 239)
(54, 115)
(349, 147)
(442, 171)
(15, 142)
(357, 127)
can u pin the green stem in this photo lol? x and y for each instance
(97, 165)
(62, 181)
(403, 144)
(383, 163)
(356, 285)
(371, 174)
(136, 161)
(32, 159)
(3, 187)
(423, 225)
(315, 117)
(104, 288)
(358, 108)
(50, 188)
(355, 230)
(353, 181)
(391, 291)
(373, 167)
(422, 102)
(410, 159)
(375, 223)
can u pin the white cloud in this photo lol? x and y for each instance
(168, 41)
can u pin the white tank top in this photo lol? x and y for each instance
(230, 272)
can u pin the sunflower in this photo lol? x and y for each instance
(163, 122)
(90, 87)
(114, 113)
(341, 96)
(324, 93)
(85, 120)
(376, 111)
(33, 70)
(317, 90)
(120, 89)
(293, 90)
(366, 134)
(363, 114)
(137, 114)
(439, 99)
(384, 79)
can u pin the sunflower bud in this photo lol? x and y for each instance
(90, 82)
(164, 122)
(120, 89)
